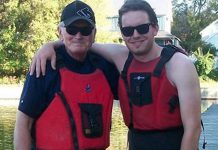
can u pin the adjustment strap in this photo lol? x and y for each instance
(71, 119)
(124, 77)
(173, 103)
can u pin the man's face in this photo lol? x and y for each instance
(77, 38)
(137, 32)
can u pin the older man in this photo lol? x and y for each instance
(69, 108)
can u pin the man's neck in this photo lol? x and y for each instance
(152, 54)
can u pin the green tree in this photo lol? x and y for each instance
(190, 17)
(27, 24)
(204, 63)
(103, 9)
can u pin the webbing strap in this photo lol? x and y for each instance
(166, 55)
(124, 77)
(71, 119)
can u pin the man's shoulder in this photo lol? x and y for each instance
(179, 63)
(175, 54)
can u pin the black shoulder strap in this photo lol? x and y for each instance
(71, 119)
(124, 77)
(166, 54)
(126, 66)
(178, 49)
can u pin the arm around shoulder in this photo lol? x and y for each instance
(114, 53)
(46, 52)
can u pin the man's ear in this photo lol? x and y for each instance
(155, 29)
(60, 33)
(94, 34)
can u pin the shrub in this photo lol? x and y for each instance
(213, 75)
(204, 63)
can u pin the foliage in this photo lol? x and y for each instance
(204, 63)
(8, 80)
(104, 34)
(26, 25)
(207, 47)
(213, 75)
(108, 37)
(190, 17)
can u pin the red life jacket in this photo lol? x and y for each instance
(148, 100)
(79, 116)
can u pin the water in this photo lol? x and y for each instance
(118, 132)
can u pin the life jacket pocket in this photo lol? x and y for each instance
(140, 88)
(92, 123)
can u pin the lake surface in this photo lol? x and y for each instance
(8, 110)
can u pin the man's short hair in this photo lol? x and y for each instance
(137, 5)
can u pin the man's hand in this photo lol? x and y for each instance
(38, 64)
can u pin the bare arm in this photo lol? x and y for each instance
(22, 136)
(183, 74)
(114, 53)
(46, 52)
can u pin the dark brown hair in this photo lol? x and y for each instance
(135, 5)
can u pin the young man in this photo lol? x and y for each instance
(159, 89)
(69, 108)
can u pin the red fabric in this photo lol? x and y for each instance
(154, 116)
(53, 131)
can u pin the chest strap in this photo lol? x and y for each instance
(71, 119)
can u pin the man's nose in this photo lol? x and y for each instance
(78, 35)
(136, 33)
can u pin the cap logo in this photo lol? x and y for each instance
(85, 12)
